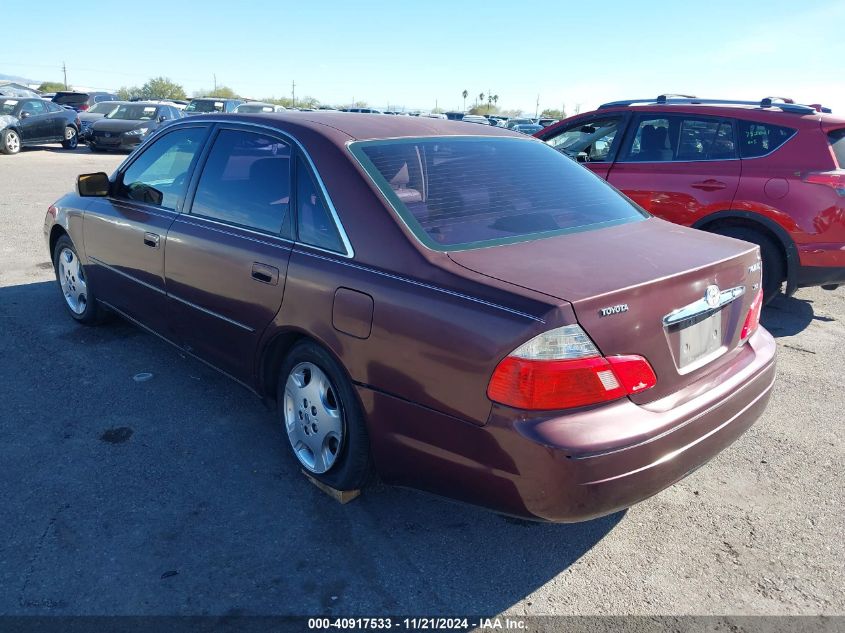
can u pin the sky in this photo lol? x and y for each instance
(419, 55)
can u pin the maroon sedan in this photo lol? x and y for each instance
(457, 308)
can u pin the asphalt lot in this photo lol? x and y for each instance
(178, 495)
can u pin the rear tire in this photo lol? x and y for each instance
(10, 142)
(774, 267)
(329, 418)
(71, 138)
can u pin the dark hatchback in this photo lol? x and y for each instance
(127, 125)
(460, 308)
(28, 122)
(82, 101)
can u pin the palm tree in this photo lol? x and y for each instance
(481, 97)
(465, 94)
(495, 99)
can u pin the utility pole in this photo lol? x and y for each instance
(537, 109)
(293, 94)
(64, 70)
(215, 82)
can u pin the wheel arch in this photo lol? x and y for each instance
(765, 225)
(55, 234)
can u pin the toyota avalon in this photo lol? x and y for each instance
(456, 308)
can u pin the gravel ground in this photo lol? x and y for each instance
(177, 495)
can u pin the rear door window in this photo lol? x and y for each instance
(459, 193)
(246, 181)
(837, 143)
(759, 139)
(315, 226)
(658, 139)
(594, 138)
(159, 175)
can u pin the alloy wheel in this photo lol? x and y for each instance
(72, 281)
(13, 142)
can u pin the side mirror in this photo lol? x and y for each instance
(93, 185)
(24, 115)
(162, 119)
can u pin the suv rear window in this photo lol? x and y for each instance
(837, 143)
(461, 193)
(70, 98)
(759, 139)
(206, 105)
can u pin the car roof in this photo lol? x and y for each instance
(355, 126)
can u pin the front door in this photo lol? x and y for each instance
(678, 167)
(593, 141)
(126, 231)
(227, 258)
(34, 118)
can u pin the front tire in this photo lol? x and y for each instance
(10, 142)
(774, 267)
(73, 283)
(322, 418)
(71, 138)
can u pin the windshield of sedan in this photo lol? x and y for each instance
(205, 105)
(104, 107)
(456, 193)
(7, 106)
(133, 112)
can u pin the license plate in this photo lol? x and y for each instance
(701, 339)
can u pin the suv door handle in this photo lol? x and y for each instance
(709, 185)
(265, 274)
(151, 240)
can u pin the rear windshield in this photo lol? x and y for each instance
(70, 98)
(460, 193)
(205, 105)
(251, 107)
(837, 142)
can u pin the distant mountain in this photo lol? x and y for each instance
(18, 79)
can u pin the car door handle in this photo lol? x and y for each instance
(709, 185)
(265, 274)
(151, 240)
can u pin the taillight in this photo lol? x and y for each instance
(561, 368)
(52, 210)
(833, 179)
(752, 320)
(83, 107)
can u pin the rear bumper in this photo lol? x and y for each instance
(575, 466)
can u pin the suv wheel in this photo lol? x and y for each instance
(774, 268)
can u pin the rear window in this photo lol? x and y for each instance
(759, 139)
(460, 193)
(70, 98)
(206, 105)
(837, 142)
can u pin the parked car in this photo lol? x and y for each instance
(527, 128)
(460, 307)
(258, 106)
(363, 110)
(95, 113)
(546, 122)
(207, 105)
(16, 90)
(33, 121)
(766, 172)
(81, 101)
(518, 121)
(475, 118)
(128, 125)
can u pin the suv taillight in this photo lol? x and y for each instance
(561, 369)
(752, 319)
(832, 179)
(83, 107)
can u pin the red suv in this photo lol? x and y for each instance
(768, 172)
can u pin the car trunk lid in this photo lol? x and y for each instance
(624, 281)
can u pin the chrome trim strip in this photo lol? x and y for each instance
(183, 218)
(100, 262)
(211, 313)
(421, 284)
(350, 252)
(701, 307)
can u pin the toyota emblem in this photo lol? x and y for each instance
(712, 295)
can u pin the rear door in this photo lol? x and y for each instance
(678, 167)
(227, 257)
(125, 232)
(593, 141)
(57, 120)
